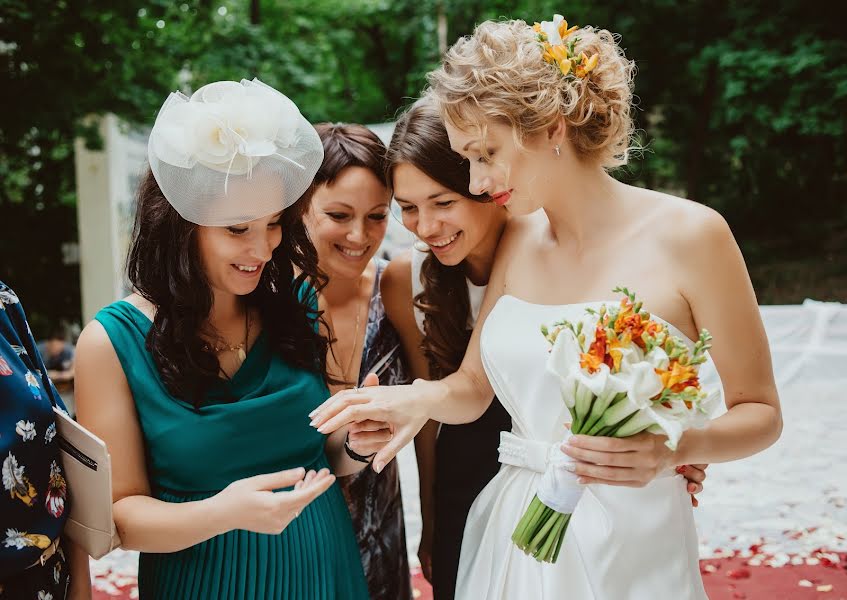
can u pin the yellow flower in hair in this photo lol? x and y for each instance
(560, 53)
(551, 35)
(586, 65)
(563, 29)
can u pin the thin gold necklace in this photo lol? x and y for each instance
(345, 373)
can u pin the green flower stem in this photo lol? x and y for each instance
(561, 539)
(527, 522)
(598, 413)
(582, 402)
(612, 430)
(636, 425)
(550, 543)
(600, 406)
(542, 533)
(619, 410)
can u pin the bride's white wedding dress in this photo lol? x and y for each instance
(622, 543)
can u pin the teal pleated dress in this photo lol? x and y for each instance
(192, 455)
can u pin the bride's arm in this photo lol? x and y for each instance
(722, 300)
(714, 280)
(461, 397)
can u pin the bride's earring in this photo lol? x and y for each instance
(557, 151)
(421, 246)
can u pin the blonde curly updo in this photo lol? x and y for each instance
(498, 74)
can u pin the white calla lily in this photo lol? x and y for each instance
(564, 355)
(641, 382)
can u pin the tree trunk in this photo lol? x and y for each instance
(442, 29)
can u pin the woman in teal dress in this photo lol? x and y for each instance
(201, 382)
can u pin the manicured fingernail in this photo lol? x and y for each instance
(680, 469)
(313, 413)
(569, 467)
(378, 467)
(322, 428)
(312, 422)
(581, 480)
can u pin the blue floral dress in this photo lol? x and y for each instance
(33, 502)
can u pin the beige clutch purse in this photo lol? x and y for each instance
(88, 471)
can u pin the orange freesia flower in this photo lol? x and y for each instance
(590, 362)
(597, 353)
(586, 65)
(652, 328)
(614, 349)
(559, 52)
(564, 31)
(678, 377)
(565, 66)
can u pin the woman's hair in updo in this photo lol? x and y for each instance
(498, 74)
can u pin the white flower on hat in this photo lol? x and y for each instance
(225, 126)
(243, 136)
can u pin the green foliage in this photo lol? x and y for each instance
(742, 106)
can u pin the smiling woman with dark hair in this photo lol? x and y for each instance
(201, 381)
(346, 218)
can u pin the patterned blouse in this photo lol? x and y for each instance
(374, 500)
(33, 506)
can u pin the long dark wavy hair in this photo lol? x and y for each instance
(420, 140)
(164, 267)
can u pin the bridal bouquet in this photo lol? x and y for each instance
(621, 373)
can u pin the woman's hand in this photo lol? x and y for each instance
(695, 474)
(252, 503)
(401, 406)
(632, 461)
(369, 437)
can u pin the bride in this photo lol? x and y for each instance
(540, 126)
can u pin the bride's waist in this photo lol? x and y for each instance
(535, 455)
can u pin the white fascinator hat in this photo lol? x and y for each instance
(232, 152)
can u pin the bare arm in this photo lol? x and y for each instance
(715, 283)
(80, 574)
(396, 288)
(105, 406)
(722, 300)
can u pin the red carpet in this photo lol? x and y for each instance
(730, 578)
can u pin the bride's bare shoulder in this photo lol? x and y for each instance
(681, 222)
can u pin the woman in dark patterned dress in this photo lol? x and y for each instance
(346, 221)
(35, 560)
